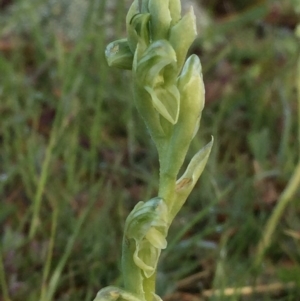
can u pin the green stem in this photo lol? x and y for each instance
(149, 287)
(132, 277)
(167, 189)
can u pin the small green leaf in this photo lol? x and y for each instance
(188, 180)
(194, 169)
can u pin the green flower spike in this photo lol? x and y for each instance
(147, 224)
(169, 96)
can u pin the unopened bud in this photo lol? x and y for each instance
(175, 11)
(160, 19)
(182, 35)
(191, 88)
(118, 54)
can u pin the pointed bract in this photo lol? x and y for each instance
(194, 169)
(188, 180)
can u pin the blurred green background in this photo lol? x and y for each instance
(75, 157)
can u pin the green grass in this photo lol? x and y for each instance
(75, 157)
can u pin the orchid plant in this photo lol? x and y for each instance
(169, 95)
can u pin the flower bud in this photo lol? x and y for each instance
(182, 35)
(175, 11)
(160, 19)
(147, 224)
(191, 88)
(138, 31)
(118, 54)
(156, 71)
(131, 33)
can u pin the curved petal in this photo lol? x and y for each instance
(156, 238)
(131, 33)
(166, 102)
(150, 66)
(146, 257)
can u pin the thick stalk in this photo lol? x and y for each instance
(132, 275)
(167, 189)
(149, 287)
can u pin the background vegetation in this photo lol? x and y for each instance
(75, 156)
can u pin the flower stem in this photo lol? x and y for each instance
(133, 280)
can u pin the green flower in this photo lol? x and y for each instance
(156, 73)
(112, 293)
(147, 225)
(118, 54)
